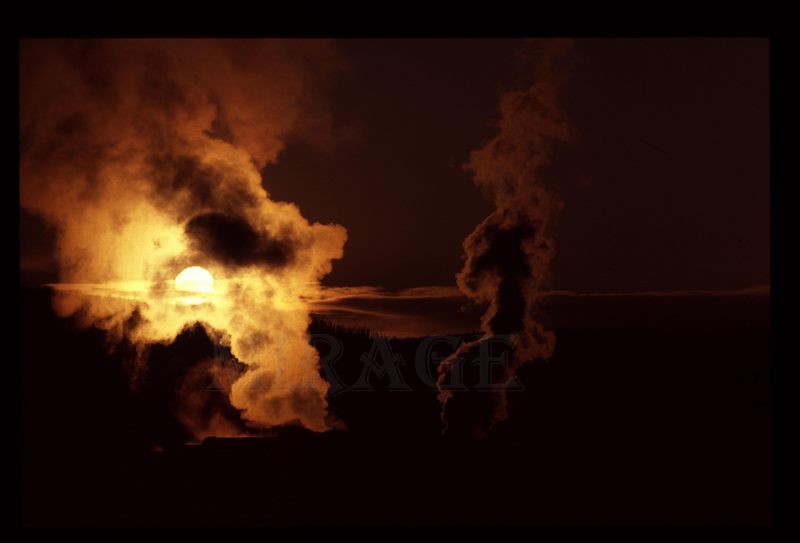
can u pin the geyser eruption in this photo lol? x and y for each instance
(145, 157)
(508, 254)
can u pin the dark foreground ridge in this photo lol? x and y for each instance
(622, 425)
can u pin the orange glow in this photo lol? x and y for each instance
(155, 210)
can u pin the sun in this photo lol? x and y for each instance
(195, 279)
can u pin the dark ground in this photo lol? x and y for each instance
(660, 416)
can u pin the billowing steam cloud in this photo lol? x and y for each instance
(508, 254)
(145, 156)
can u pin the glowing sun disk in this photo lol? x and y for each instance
(195, 279)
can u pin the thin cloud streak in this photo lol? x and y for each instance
(432, 310)
(440, 309)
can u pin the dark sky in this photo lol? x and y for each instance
(666, 186)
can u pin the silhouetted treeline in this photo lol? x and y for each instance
(621, 425)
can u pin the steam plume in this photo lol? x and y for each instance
(145, 156)
(508, 254)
